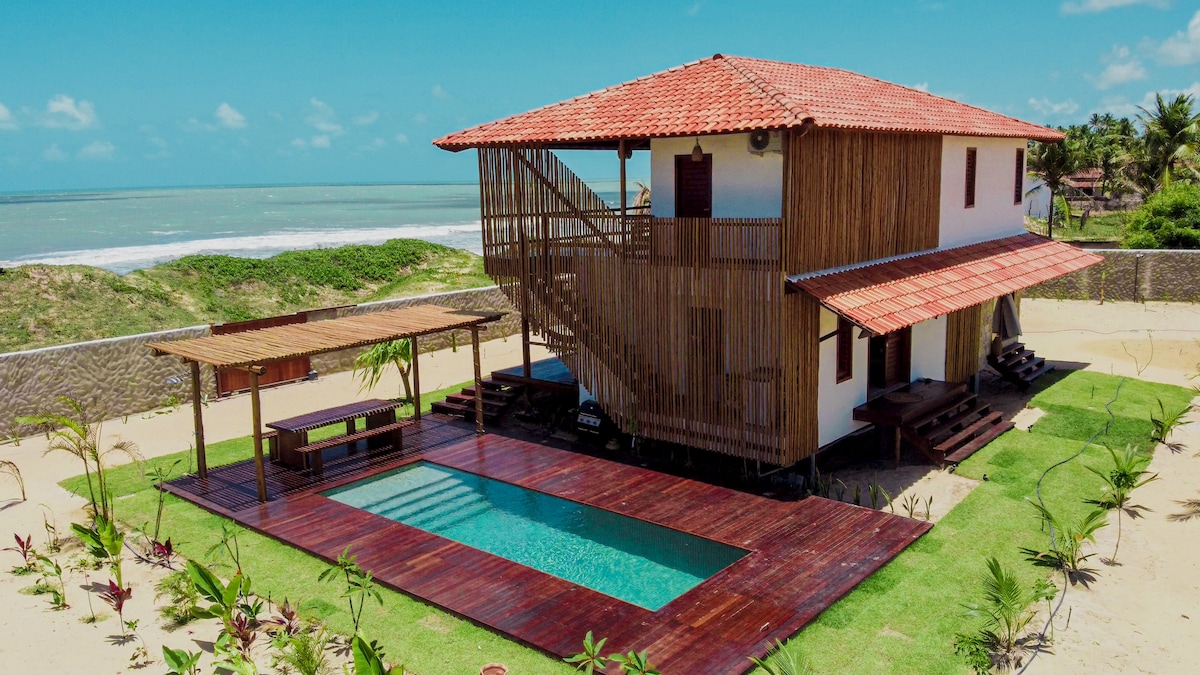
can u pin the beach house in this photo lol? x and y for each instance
(822, 251)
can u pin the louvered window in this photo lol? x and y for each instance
(970, 191)
(1019, 177)
(845, 350)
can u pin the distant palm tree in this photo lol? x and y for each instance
(1053, 163)
(1172, 134)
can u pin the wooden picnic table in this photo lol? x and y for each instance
(290, 446)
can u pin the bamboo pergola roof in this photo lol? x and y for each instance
(280, 343)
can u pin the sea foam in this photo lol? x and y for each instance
(124, 259)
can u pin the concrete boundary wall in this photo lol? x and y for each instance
(1131, 275)
(116, 377)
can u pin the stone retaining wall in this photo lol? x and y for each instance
(118, 376)
(1130, 275)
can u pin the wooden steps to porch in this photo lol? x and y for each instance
(497, 398)
(957, 426)
(1019, 365)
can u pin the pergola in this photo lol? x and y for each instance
(252, 350)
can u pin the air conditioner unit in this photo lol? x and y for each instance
(762, 142)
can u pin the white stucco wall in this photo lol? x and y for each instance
(836, 402)
(745, 185)
(994, 214)
(929, 349)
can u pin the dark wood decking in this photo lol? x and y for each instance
(551, 373)
(803, 555)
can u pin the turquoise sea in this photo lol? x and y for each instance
(124, 230)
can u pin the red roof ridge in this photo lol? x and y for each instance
(799, 111)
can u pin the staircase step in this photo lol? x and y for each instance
(960, 400)
(969, 432)
(957, 423)
(450, 408)
(501, 396)
(469, 401)
(978, 442)
(1027, 366)
(1028, 378)
(1013, 358)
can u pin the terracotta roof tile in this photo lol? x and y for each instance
(891, 295)
(728, 94)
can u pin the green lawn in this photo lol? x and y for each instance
(903, 618)
(900, 620)
(1109, 227)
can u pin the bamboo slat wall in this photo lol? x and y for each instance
(801, 362)
(673, 325)
(850, 197)
(962, 344)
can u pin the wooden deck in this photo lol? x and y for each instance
(548, 373)
(802, 555)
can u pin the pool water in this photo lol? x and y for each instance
(632, 560)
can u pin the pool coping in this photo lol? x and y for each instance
(802, 557)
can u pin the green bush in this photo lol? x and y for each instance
(1169, 219)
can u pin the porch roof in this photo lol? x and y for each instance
(894, 294)
(279, 343)
(729, 94)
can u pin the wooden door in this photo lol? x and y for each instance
(890, 359)
(693, 187)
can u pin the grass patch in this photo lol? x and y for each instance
(49, 305)
(1108, 227)
(903, 618)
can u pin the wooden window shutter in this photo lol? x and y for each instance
(970, 182)
(1019, 178)
(845, 350)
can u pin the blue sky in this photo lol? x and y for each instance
(228, 93)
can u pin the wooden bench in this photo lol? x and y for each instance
(312, 451)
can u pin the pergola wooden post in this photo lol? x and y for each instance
(416, 381)
(198, 421)
(478, 380)
(260, 471)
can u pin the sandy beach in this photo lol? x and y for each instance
(1140, 617)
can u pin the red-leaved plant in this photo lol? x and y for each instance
(116, 596)
(24, 548)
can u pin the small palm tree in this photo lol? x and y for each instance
(1067, 545)
(1172, 133)
(74, 433)
(781, 662)
(1053, 163)
(1004, 639)
(370, 364)
(1128, 472)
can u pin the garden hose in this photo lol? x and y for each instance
(1062, 598)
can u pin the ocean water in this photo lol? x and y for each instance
(124, 230)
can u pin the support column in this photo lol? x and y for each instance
(526, 363)
(198, 421)
(416, 378)
(478, 380)
(256, 414)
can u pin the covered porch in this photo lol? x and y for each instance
(252, 351)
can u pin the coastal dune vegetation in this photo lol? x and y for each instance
(45, 305)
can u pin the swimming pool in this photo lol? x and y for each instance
(632, 560)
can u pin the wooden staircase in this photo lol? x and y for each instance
(955, 429)
(497, 398)
(1018, 365)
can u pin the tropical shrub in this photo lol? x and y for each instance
(1128, 472)
(781, 662)
(1004, 639)
(1169, 219)
(1066, 552)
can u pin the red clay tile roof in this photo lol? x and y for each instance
(727, 94)
(891, 295)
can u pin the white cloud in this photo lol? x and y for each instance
(1091, 6)
(922, 86)
(1122, 67)
(1182, 48)
(53, 154)
(439, 92)
(299, 143)
(321, 141)
(7, 121)
(420, 118)
(1123, 107)
(323, 118)
(229, 117)
(402, 139)
(694, 9)
(63, 112)
(97, 150)
(1047, 107)
(366, 119)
